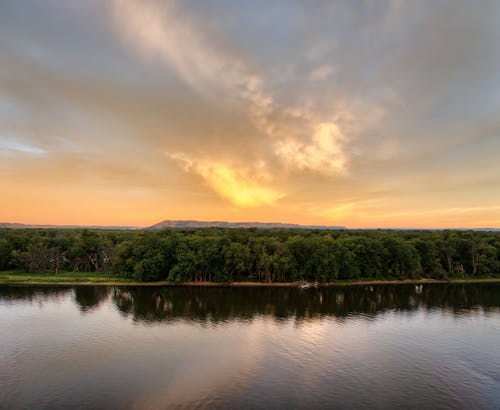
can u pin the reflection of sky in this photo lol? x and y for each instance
(53, 352)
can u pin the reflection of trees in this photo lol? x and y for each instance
(89, 297)
(30, 293)
(219, 304)
(151, 304)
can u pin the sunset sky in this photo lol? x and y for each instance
(355, 113)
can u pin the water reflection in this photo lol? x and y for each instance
(163, 304)
(38, 294)
(90, 297)
(136, 347)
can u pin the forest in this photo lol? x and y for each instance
(250, 254)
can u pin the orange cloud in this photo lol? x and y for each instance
(237, 186)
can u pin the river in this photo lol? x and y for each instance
(124, 347)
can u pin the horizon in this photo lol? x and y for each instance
(287, 225)
(358, 114)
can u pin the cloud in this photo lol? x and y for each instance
(324, 153)
(241, 188)
(236, 186)
(157, 30)
(162, 31)
(13, 146)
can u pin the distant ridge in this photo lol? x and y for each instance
(31, 226)
(223, 224)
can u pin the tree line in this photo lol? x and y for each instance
(247, 254)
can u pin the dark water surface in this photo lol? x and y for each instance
(404, 346)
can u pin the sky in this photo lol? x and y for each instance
(355, 113)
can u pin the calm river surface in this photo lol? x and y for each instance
(400, 346)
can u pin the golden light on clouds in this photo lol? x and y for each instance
(237, 187)
(240, 188)
(323, 153)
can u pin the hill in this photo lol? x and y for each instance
(223, 224)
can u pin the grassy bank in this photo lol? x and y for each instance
(60, 278)
(75, 278)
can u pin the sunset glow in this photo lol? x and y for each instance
(361, 114)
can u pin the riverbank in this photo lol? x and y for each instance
(85, 278)
(62, 278)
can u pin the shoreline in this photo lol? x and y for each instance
(252, 284)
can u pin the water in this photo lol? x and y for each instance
(405, 346)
